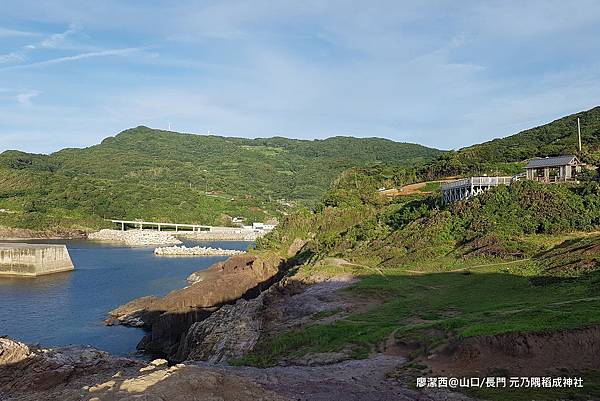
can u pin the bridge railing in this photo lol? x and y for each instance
(477, 181)
(456, 184)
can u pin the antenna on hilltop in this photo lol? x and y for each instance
(579, 133)
(169, 126)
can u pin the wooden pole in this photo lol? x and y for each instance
(579, 133)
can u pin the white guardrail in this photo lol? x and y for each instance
(477, 181)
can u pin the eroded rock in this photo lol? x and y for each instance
(12, 351)
(229, 333)
(170, 317)
(79, 373)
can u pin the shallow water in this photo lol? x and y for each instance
(69, 308)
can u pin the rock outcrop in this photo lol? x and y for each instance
(135, 237)
(169, 318)
(80, 373)
(12, 351)
(26, 370)
(229, 333)
(234, 330)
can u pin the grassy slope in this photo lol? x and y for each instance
(493, 298)
(513, 259)
(160, 175)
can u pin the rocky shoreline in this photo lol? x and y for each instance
(32, 373)
(200, 329)
(18, 234)
(195, 251)
(135, 237)
(169, 318)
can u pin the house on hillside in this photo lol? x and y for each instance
(554, 169)
(550, 169)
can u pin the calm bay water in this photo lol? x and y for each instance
(69, 308)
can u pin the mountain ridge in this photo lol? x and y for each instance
(169, 176)
(207, 179)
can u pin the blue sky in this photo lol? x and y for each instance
(442, 73)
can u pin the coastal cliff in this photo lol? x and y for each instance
(169, 318)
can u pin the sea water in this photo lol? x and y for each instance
(69, 308)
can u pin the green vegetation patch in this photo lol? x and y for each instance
(484, 302)
(157, 175)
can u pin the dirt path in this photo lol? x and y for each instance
(357, 380)
(417, 187)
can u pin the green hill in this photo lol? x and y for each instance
(507, 155)
(516, 259)
(167, 176)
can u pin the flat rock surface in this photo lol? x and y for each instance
(79, 373)
(358, 380)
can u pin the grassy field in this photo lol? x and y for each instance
(486, 297)
(489, 300)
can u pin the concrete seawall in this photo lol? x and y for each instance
(33, 259)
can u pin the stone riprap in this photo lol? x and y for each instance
(224, 234)
(195, 251)
(135, 237)
(32, 260)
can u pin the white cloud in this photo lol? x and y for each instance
(13, 57)
(81, 56)
(8, 33)
(56, 39)
(25, 97)
(52, 41)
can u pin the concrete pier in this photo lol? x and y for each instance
(31, 260)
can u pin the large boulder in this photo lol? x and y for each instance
(229, 333)
(12, 351)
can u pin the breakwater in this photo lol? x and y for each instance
(195, 251)
(32, 260)
(135, 237)
(223, 234)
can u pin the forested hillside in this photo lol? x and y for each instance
(167, 176)
(515, 260)
(507, 155)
